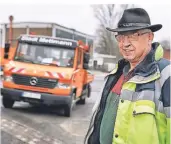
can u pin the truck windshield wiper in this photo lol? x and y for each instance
(50, 64)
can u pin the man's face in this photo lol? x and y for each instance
(133, 45)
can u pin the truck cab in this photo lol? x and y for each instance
(48, 71)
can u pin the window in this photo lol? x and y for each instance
(64, 34)
(45, 55)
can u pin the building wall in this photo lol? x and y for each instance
(41, 31)
(16, 33)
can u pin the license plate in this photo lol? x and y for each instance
(31, 95)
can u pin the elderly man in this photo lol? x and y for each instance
(134, 105)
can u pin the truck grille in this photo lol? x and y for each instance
(40, 82)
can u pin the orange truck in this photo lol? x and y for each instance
(47, 71)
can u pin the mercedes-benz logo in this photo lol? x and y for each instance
(33, 81)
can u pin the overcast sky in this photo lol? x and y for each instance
(79, 17)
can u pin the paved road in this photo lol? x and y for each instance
(35, 125)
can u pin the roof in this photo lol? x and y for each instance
(33, 24)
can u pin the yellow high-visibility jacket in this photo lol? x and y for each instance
(143, 109)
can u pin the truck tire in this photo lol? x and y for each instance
(7, 103)
(89, 90)
(67, 111)
(68, 107)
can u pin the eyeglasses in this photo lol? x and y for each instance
(131, 37)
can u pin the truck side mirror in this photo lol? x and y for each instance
(6, 51)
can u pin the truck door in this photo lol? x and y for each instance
(80, 72)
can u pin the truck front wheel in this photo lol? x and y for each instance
(67, 111)
(68, 107)
(7, 103)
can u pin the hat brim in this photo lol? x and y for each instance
(153, 28)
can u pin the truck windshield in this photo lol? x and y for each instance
(45, 55)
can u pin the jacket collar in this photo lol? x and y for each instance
(149, 65)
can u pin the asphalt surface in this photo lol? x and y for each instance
(42, 125)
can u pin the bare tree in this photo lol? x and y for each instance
(107, 16)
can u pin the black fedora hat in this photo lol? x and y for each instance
(135, 19)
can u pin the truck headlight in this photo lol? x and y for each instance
(8, 78)
(63, 86)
